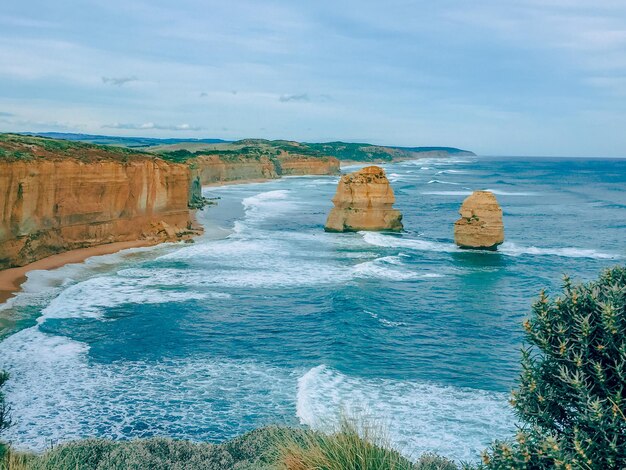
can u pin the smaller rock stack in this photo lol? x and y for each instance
(480, 226)
(364, 201)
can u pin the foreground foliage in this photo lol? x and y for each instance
(350, 449)
(572, 392)
(270, 448)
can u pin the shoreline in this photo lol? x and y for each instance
(218, 184)
(11, 279)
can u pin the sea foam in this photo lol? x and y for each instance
(418, 417)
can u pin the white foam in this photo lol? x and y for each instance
(384, 321)
(497, 192)
(446, 193)
(389, 267)
(420, 417)
(507, 248)
(512, 249)
(267, 205)
(390, 241)
(58, 394)
(87, 299)
(452, 172)
(443, 182)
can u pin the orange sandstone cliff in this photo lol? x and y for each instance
(211, 169)
(294, 164)
(54, 200)
(364, 201)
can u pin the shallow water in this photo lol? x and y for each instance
(280, 322)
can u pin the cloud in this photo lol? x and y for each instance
(302, 97)
(151, 126)
(3, 114)
(119, 81)
(204, 94)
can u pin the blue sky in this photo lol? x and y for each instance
(498, 77)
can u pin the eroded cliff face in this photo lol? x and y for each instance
(364, 201)
(293, 165)
(211, 169)
(480, 226)
(51, 206)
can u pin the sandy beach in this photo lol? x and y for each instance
(11, 279)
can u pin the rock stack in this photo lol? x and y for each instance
(364, 201)
(480, 226)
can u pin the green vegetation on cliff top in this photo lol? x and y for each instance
(181, 150)
(341, 150)
(22, 147)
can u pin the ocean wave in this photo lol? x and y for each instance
(452, 172)
(89, 298)
(267, 205)
(443, 182)
(390, 267)
(59, 394)
(389, 241)
(418, 417)
(509, 248)
(384, 321)
(497, 192)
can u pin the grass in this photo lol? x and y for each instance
(351, 447)
(271, 448)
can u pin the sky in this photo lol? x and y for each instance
(499, 77)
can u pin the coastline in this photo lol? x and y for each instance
(217, 184)
(11, 279)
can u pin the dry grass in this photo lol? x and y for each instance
(350, 447)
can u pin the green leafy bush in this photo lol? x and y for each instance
(572, 393)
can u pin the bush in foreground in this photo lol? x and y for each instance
(572, 392)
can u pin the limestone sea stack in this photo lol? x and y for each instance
(480, 226)
(364, 201)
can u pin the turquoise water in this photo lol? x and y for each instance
(268, 319)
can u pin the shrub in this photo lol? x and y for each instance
(571, 397)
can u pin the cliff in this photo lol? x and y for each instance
(363, 201)
(57, 196)
(480, 226)
(295, 164)
(214, 169)
(226, 167)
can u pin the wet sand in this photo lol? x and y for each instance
(12, 279)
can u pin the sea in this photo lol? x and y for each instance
(267, 319)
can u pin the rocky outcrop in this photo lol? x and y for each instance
(364, 201)
(48, 205)
(480, 226)
(211, 169)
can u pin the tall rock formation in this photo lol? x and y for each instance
(480, 226)
(364, 201)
